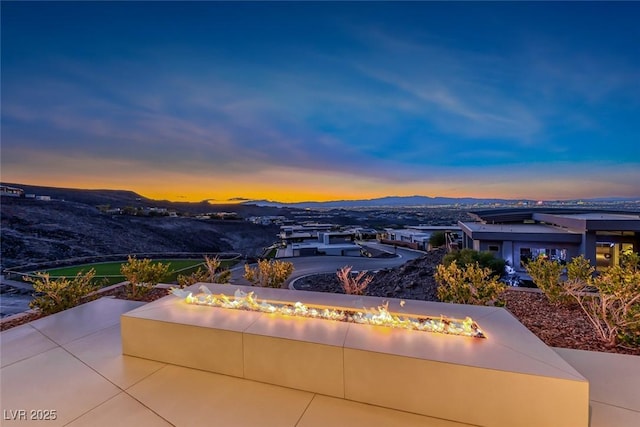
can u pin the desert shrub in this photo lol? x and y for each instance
(268, 273)
(469, 284)
(580, 269)
(143, 275)
(614, 310)
(546, 274)
(353, 285)
(437, 239)
(54, 295)
(209, 275)
(485, 259)
(185, 280)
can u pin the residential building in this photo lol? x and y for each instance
(311, 239)
(519, 235)
(5, 190)
(416, 237)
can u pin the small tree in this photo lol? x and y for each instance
(353, 285)
(470, 284)
(268, 273)
(54, 295)
(546, 275)
(143, 275)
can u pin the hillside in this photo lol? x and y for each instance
(40, 231)
(122, 198)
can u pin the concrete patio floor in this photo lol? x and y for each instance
(72, 363)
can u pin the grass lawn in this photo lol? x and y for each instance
(110, 271)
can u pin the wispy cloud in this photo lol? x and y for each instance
(393, 106)
(459, 91)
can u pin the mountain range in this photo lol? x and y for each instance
(411, 201)
(121, 197)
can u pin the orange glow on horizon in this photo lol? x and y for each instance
(230, 191)
(289, 185)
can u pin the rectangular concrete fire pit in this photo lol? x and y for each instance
(508, 378)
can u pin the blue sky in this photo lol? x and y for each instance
(317, 101)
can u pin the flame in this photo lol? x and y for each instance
(380, 316)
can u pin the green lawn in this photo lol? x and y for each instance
(110, 271)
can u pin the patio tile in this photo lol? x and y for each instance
(189, 397)
(603, 415)
(613, 378)
(123, 411)
(84, 319)
(326, 411)
(102, 351)
(53, 380)
(21, 343)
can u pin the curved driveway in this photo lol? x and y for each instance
(329, 264)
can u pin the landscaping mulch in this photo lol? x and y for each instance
(121, 293)
(556, 324)
(20, 320)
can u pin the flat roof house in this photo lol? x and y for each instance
(518, 235)
(417, 236)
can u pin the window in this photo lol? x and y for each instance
(528, 254)
(494, 248)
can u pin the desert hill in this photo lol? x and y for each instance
(71, 225)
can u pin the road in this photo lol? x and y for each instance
(330, 264)
(15, 296)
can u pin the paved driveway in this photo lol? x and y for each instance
(329, 264)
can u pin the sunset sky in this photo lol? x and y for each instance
(321, 101)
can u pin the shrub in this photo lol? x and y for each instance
(437, 239)
(545, 274)
(484, 259)
(54, 295)
(143, 275)
(614, 310)
(353, 285)
(199, 275)
(580, 269)
(268, 273)
(210, 275)
(470, 284)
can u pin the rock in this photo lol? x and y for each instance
(413, 280)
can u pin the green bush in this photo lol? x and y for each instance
(546, 274)
(580, 269)
(469, 284)
(485, 259)
(143, 275)
(437, 239)
(60, 294)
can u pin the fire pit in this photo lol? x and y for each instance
(281, 339)
(380, 316)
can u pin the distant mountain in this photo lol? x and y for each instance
(409, 201)
(390, 201)
(120, 198)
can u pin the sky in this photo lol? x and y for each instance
(297, 101)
